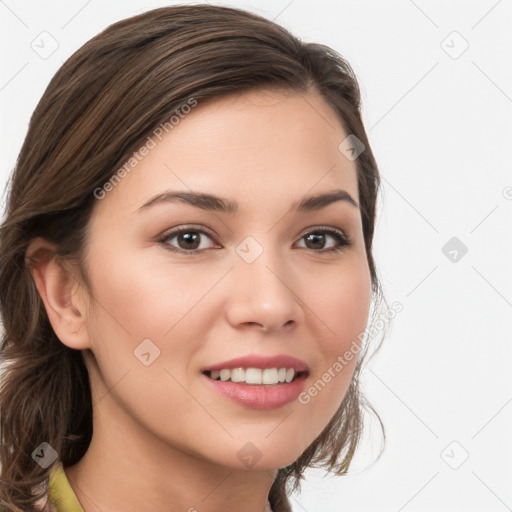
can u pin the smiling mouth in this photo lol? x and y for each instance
(297, 375)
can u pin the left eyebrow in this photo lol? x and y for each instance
(218, 204)
(312, 203)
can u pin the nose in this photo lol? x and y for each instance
(263, 294)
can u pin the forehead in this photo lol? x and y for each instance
(259, 145)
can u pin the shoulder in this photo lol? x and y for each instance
(58, 495)
(44, 504)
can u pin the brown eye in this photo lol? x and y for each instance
(187, 240)
(316, 240)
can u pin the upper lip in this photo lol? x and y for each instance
(262, 362)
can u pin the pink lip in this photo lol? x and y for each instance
(262, 362)
(259, 396)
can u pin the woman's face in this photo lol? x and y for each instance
(262, 281)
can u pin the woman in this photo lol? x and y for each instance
(186, 270)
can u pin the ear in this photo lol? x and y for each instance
(61, 292)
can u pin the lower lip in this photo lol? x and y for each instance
(261, 396)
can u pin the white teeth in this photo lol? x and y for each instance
(237, 375)
(270, 376)
(255, 375)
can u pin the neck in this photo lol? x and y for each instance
(128, 468)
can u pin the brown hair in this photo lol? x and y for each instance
(135, 75)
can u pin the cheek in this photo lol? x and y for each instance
(341, 301)
(340, 306)
(150, 297)
(147, 312)
(147, 298)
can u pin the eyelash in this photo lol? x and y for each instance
(343, 241)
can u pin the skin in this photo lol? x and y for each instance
(161, 435)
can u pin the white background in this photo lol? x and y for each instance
(440, 127)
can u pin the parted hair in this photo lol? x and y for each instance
(97, 110)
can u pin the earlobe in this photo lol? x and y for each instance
(59, 291)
